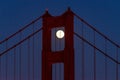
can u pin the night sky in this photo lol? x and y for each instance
(102, 14)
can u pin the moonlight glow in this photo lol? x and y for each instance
(60, 34)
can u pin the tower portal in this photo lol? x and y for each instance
(58, 44)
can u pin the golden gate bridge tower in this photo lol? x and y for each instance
(64, 47)
(64, 55)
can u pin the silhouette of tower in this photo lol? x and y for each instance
(64, 55)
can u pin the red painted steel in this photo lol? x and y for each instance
(65, 56)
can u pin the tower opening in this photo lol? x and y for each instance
(57, 44)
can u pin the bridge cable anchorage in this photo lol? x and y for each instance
(22, 29)
(109, 57)
(114, 43)
(20, 42)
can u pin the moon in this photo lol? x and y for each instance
(60, 34)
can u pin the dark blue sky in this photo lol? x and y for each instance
(103, 14)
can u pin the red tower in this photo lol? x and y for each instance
(66, 55)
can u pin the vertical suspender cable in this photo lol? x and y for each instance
(15, 63)
(94, 59)
(83, 63)
(28, 48)
(105, 59)
(117, 63)
(6, 66)
(0, 67)
(20, 48)
(33, 54)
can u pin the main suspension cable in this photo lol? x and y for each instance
(20, 42)
(86, 41)
(25, 27)
(96, 30)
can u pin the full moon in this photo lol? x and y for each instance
(60, 34)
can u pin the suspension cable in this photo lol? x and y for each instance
(4, 52)
(96, 30)
(0, 67)
(20, 30)
(83, 63)
(102, 52)
(14, 63)
(117, 64)
(28, 48)
(105, 59)
(6, 66)
(33, 53)
(20, 54)
(94, 57)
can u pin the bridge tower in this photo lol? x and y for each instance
(64, 55)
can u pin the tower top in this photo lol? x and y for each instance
(47, 14)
